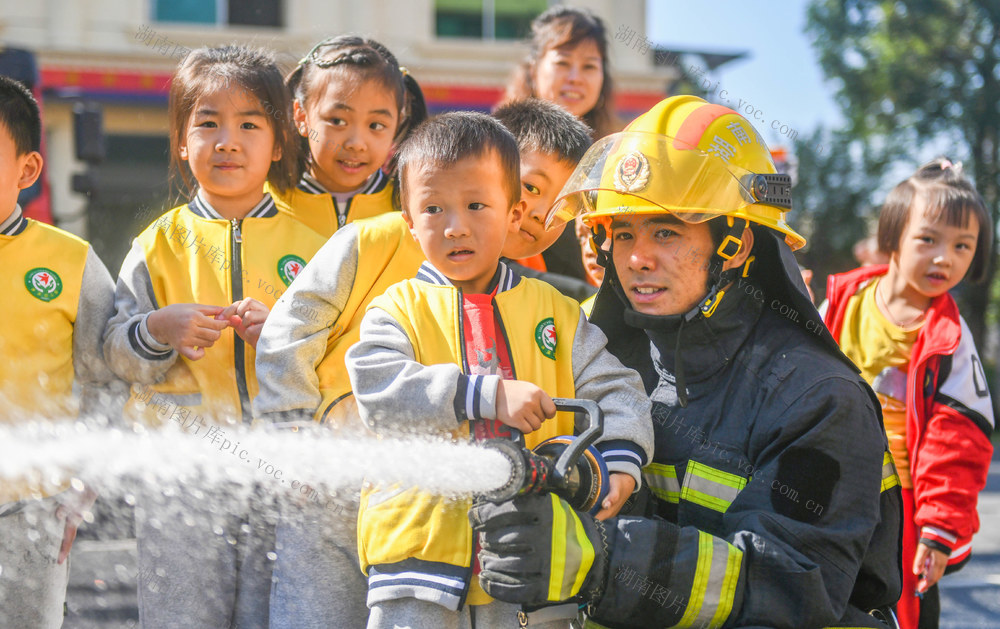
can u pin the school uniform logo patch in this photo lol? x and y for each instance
(289, 267)
(632, 172)
(545, 337)
(43, 283)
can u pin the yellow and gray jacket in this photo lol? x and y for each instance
(59, 297)
(300, 354)
(312, 204)
(410, 375)
(192, 254)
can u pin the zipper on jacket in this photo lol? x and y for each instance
(342, 219)
(236, 280)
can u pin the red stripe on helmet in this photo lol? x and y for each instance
(693, 128)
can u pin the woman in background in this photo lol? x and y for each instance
(567, 64)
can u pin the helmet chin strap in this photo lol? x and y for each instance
(731, 245)
(600, 234)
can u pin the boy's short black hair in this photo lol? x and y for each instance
(449, 138)
(19, 114)
(543, 127)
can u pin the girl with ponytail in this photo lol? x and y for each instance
(353, 103)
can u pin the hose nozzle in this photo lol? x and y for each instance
(567, 466)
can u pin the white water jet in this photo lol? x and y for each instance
(282, 461)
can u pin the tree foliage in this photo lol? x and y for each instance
(834, 198)
(913, 72)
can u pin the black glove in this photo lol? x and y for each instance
(537, 550)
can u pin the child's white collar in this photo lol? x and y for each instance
(14, 223)
(204, 209)
(504, 278)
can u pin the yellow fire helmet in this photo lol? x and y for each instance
(685, 156)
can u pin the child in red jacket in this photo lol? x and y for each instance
(898, 323)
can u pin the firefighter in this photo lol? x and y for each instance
(774, 500)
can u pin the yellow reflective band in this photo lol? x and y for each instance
(714, 603)
(890, 478)
(700, 583)
(711, 488)
(571, 562)
(713, 590)
(727, 594)
(572, 554)
(585, 557)
(556, 574)
(662, 481)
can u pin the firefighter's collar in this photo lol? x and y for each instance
(706, 344)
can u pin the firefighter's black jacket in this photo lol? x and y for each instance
(775, 503)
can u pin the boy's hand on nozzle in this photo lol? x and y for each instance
(188, 328)
(247, 317)
(622, 486)
(523, 405)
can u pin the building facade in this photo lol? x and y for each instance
(121, 53)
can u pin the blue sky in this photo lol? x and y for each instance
(780, 79)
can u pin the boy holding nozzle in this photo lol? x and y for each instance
(470, 348)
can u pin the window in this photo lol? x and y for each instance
(222, 12)
(133, 191)
(486, 19)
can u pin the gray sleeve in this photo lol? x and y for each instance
(294, 338)
(396, 393)
(100, 390)
(132, 353)
(627, 444)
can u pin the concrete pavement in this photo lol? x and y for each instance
(970, 599)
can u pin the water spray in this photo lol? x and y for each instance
(280, 459)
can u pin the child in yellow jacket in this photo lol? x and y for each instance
(352, 103)
(192, 296)
(300, 356)
(58, 297)
(471, 349)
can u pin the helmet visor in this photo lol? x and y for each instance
(642, 173)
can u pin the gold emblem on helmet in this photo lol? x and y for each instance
(632, 172)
